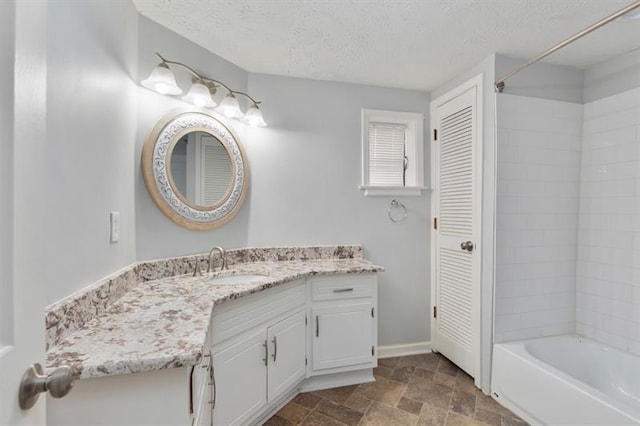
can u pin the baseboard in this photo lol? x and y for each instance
(404, 350)
(328, 381)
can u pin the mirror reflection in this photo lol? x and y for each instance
(201, 169)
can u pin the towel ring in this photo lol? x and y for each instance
(395, 204)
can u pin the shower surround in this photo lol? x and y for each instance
(537, 216)
(568, 219)
(608, 265)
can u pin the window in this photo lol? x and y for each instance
(392, 159)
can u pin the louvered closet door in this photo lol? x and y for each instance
(213, 177)
(457, 210)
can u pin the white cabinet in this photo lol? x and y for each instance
(343, 335)
(265, 360)
(344, 327)
(241, 382)
(286, 366)
(201, 393)
(259, 348)
(173, 396)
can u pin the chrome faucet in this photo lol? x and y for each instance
(196, 269)
(223, 256)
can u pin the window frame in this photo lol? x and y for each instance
(414, 149)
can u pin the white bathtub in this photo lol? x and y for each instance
(567, 380)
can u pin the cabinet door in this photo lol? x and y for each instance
(201, 379)
(287, 354)
(240, 379)
(342, 335)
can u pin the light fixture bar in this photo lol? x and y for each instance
(187, 67)
(204, 79)
(250, 98)
(229, 105)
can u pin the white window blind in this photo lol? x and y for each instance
(387, 154)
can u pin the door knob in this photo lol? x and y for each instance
(467, 245)
(58, 383)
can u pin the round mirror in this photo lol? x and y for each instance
(195, 169)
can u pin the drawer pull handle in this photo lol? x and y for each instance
(214, 389)
(266, 353)
(317, 326)
(343, 290)
(275, 348)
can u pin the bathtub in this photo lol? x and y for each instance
(567, 380)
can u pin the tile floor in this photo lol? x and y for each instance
(413, 390)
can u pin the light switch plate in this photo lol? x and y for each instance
(115, 226)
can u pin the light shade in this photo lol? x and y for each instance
(253, 117)
(162, 81)
(199, 95)
(229, 107)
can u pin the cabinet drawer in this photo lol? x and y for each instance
(342, 287)
(232, 318)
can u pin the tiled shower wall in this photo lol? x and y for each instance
(608, 264)
(538, 189)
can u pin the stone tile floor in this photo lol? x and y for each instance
(413, 390)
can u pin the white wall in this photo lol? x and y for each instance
(7, 57)
(306, 168)
(91, 118)
(27, 165)
(537, 215)
(608, 268)
(156, 235)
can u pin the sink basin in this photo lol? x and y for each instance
(237, 279)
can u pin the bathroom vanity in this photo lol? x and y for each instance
(187, 350)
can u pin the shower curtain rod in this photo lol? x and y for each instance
(499, 85)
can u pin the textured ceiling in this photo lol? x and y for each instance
(413, 44)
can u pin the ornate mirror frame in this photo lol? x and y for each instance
(156, 169)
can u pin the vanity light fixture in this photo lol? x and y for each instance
(199, 95)
(163, 81)
(253, 117)
(229, 107)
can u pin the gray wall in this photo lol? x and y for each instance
(612, 77)
(305, 171)
(156, 235)
(305, 167)
(91, 118)
(7, 56)
(542, 80)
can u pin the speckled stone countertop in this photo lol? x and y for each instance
(163, 323)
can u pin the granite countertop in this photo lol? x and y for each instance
(163, 323)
